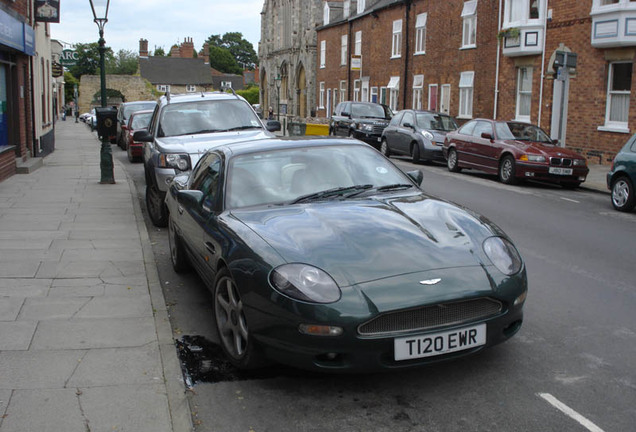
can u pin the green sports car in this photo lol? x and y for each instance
(323, 255)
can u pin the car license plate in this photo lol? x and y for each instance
(560, 171)
(379, 139)
(413, 347)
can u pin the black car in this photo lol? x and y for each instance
(362, 120)
(419, 134)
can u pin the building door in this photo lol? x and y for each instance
(444, 105)
(4, 125)
(432, 97)
(328, 104)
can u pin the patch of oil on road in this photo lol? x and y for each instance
(204, 361)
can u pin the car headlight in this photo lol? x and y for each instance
(579, 162)
(305, 282)
(532, 158)
(503, 255)
(174, 160)
(427, 135)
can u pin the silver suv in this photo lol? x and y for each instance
(182, 128)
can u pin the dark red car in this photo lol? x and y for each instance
(514, 151)
(137, 121)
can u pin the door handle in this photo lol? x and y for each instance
(180, 209)
(210, 247)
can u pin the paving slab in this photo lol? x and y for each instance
(45, 410)
(16, 336)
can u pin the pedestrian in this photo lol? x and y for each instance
(270, 114)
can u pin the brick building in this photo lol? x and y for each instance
(488, 58)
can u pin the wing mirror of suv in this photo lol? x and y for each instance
(189, 198)
(486, 135)
(345, 114)
(272, 125)
(417, 176)
(142, 136)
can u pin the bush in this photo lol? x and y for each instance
(250, 94)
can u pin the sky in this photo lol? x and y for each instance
(162, 22)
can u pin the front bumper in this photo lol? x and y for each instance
(541, 172)
(370, 138)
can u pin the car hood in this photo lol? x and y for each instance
(197, 145)
(548, 150)
(358, 241)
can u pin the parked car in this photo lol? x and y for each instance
(362, 120)
(622, 177)
(182, 128)
(514, 151)
(123, 114)
(137, 121)
(323, 255)
(419, 134)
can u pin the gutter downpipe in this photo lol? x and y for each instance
(406, 51)
(494, 114)
(545, 36)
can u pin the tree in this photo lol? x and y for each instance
(159, 52)
(222, 60)
(88, 59)
(124, 63)
(242, 50)
(69, 82)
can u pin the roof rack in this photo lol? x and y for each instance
(225, 87)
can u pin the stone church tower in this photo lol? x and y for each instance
(287, 51)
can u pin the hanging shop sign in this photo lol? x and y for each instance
(47, 11)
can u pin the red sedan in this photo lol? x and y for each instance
(514, 151)
(138, 120)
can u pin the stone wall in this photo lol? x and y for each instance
(132, 87)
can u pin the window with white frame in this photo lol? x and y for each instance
(344, 40)
(418, 91)
(325, 14)
(323, 54)
(619, 89)
(420, 33)
(163, 88)
(346, 9)
(524, 93)
(334, 100)
(191, 88)
(519, 12)
(343, 91)
(466, 92)
(383, 95)
(396, 42)
(226, 84)
(469, 17)
(358, 43)
(356, 90)
(361, 6)
(321, 96)
(394, 91)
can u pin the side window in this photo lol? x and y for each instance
(482, 127)
(467, 129)
(396, 120)
(208, 180)
(408, 118)
(633, 147)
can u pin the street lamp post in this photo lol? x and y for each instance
(100, 15)
(277, 81)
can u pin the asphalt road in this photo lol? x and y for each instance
(570, 368)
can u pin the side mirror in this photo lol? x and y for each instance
(555, 141)
(272, 125)
(417, 176)
(142, 136)
(408, 125)
(345, 114)
(486, 135)
(189, 198)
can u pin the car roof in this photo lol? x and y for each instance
(138, 102)
(281, 143)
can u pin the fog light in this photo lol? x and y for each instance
(529, 174)
(522, 298)
(320, 330)
(582, 178)
(169, 179)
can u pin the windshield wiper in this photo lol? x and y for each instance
(202, 131)
(339, 191)
(241, 128)
(392, 187)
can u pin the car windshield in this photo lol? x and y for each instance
(140, 121)
(437, 122)
(521, 132)
(368, 110)
(129, 109)
(310, 173)
(206, 116)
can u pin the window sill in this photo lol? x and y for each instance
(396, 57)
(467, 47)
(419, 53)
(615, 129)
(465, 117)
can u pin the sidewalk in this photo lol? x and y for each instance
(85, 340)
(596, 178)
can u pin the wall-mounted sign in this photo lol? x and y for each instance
(69, 58)
(57, 70)
(47, 11)
(356, 62)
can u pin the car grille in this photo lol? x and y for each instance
(378, 129)
(430, 317)
(555, 161)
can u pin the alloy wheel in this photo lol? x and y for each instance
(230, 318)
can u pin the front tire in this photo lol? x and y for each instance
(415, 153)
(234, 335)
(156, 206)
(180, 262)
(384, 148)
(507, 170)
(623, 194)
(453, 162)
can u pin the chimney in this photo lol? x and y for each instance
(187, 48)
(143, 48)
(205, 53)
